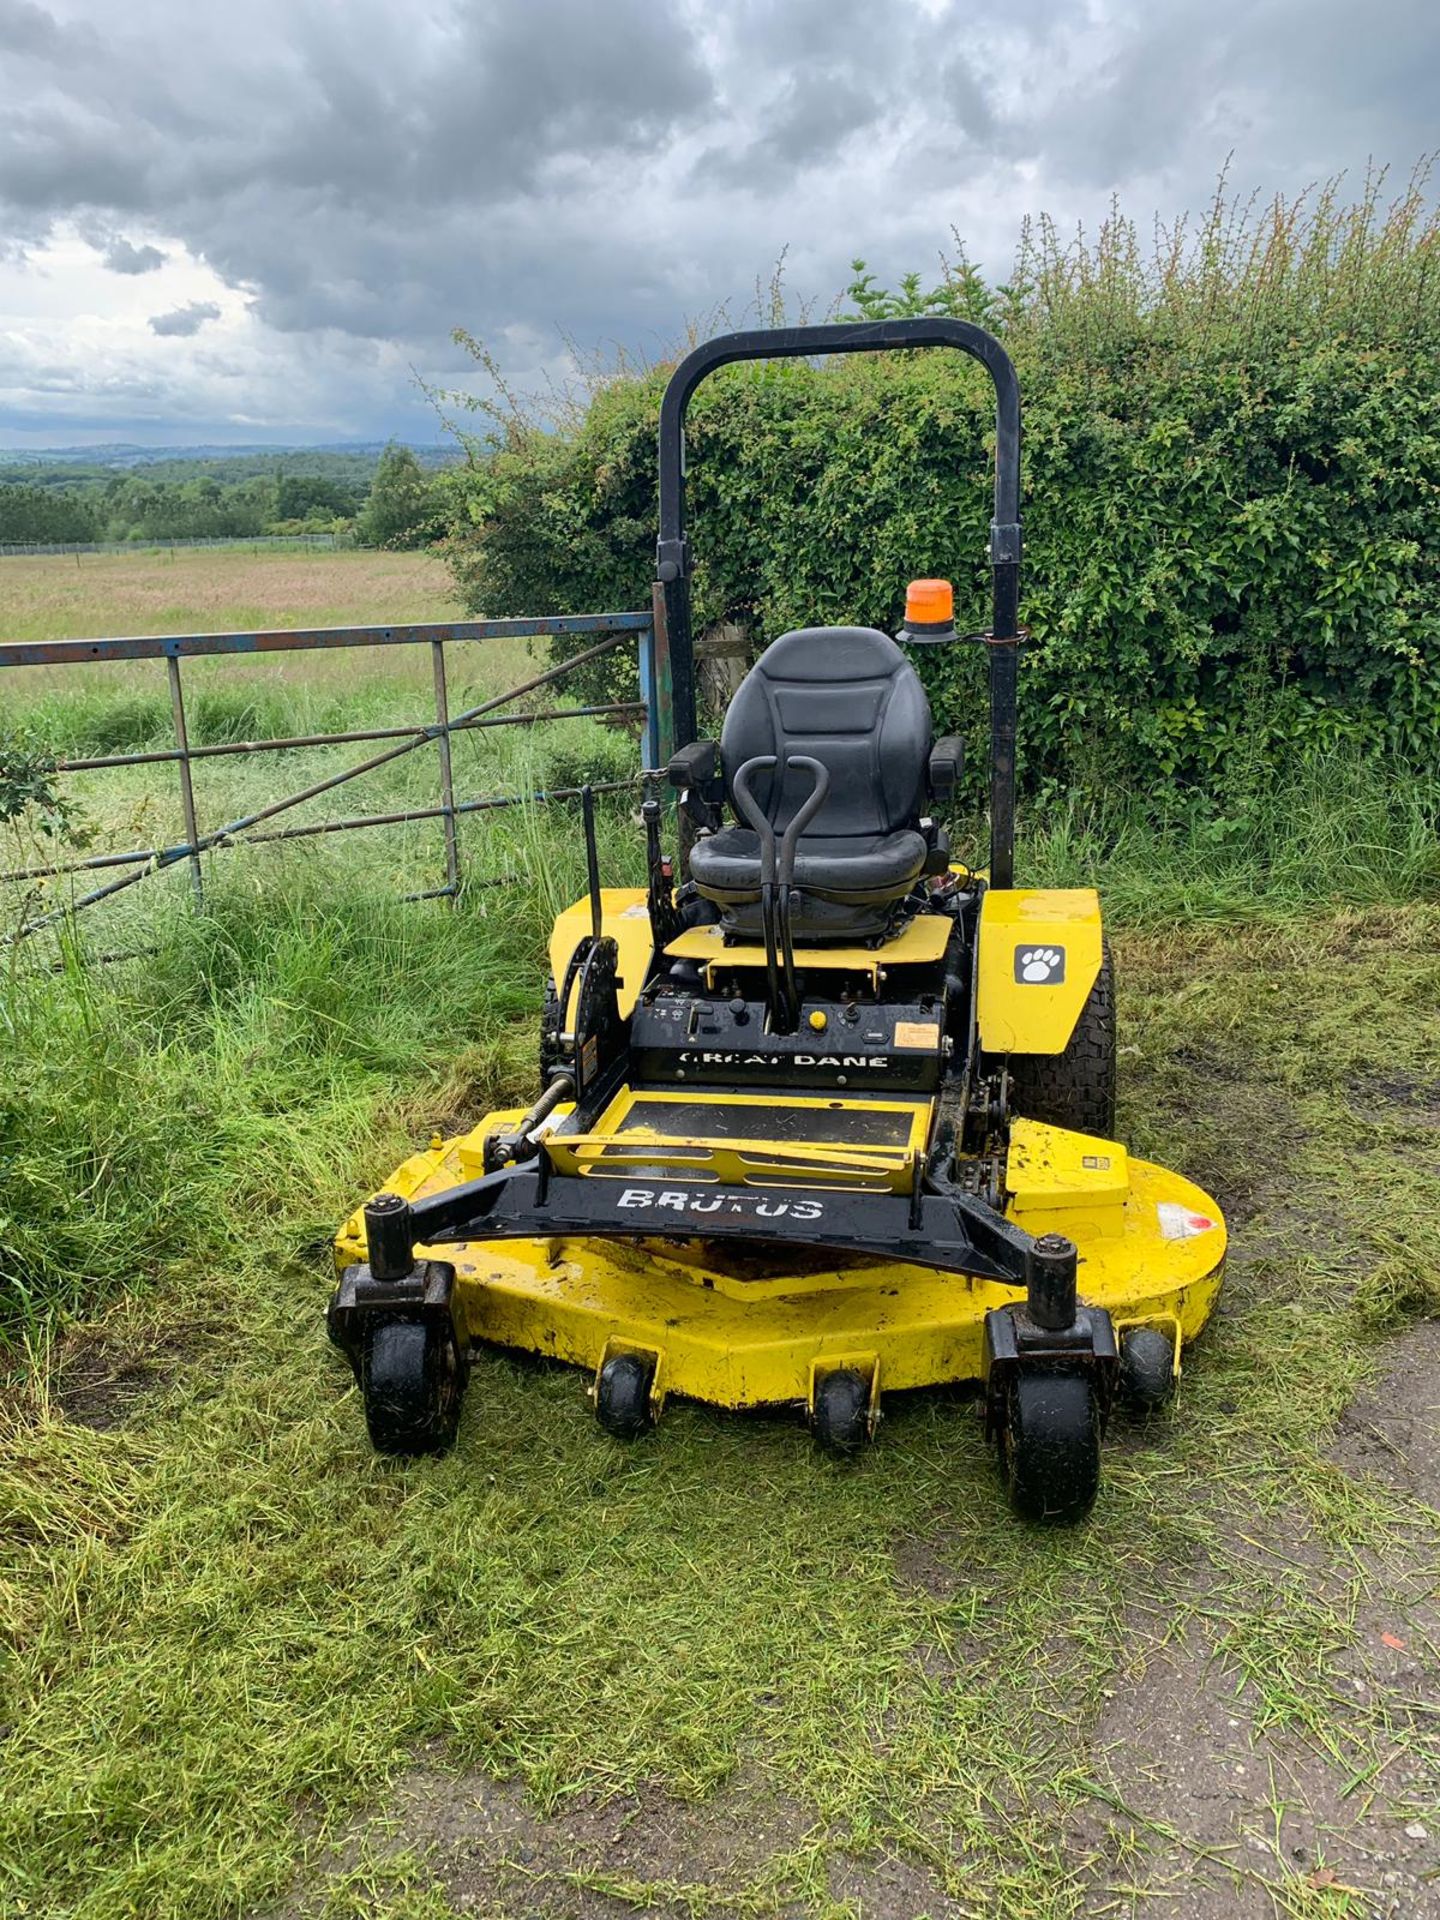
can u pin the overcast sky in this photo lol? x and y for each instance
(260, 221)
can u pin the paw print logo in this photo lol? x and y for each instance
(1040, 966)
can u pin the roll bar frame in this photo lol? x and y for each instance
(672, 553)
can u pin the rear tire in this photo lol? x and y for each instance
(1076, 1088)
(1050, 1447)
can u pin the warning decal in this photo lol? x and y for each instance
(1182, 1223)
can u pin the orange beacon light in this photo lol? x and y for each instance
(929, 612)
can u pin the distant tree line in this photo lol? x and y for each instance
(395, 503)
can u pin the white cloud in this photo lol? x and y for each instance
(81, 361)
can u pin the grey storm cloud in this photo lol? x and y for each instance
(28, 29)
(386, 170)
(123, 256)
(186, 320)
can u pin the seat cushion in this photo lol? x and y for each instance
(725, 866)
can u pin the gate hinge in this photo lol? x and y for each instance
(672, 560)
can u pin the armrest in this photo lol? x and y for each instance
(947, 758)
(694, 766)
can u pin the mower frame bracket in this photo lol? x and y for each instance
(957, 1233)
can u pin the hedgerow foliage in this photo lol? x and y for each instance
(1232, 486)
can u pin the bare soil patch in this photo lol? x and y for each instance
(104, 1372)
(1226, 1811)
(1392, 1430)
(483, 1844)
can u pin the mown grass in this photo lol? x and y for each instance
(228, 1625)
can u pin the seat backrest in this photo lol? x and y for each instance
(848, 697)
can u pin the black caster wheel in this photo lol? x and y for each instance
(1051, 1447)
(841, 1419)
(1147, 1371)
(413, 1381)
(622, 1395)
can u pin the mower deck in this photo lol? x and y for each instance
(750, 1326)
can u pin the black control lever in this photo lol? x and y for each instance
(785, 878)
(777, 874)
(748, 805)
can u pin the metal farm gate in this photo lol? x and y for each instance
(654, 710)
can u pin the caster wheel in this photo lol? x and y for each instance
(622, 1396)
(1051, 1447)
(1147, 1370)
(841, 1419)
(413, 1381)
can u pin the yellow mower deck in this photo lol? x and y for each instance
(754, 1328)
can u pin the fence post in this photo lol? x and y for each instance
(187, 785)
(447, 778)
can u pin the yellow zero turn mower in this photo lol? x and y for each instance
(833, 1116)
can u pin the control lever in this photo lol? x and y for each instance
(785, 878)
(748, 805)
(777, 874)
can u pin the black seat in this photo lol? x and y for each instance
(847, 697)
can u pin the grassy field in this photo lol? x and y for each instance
(216, 590)
(250, 1668)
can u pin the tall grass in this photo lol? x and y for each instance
(1327, 263)
(1331, 831)
(216, 1099)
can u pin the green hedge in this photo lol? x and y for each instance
(1232, 495)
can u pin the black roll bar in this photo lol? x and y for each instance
(673, 554)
